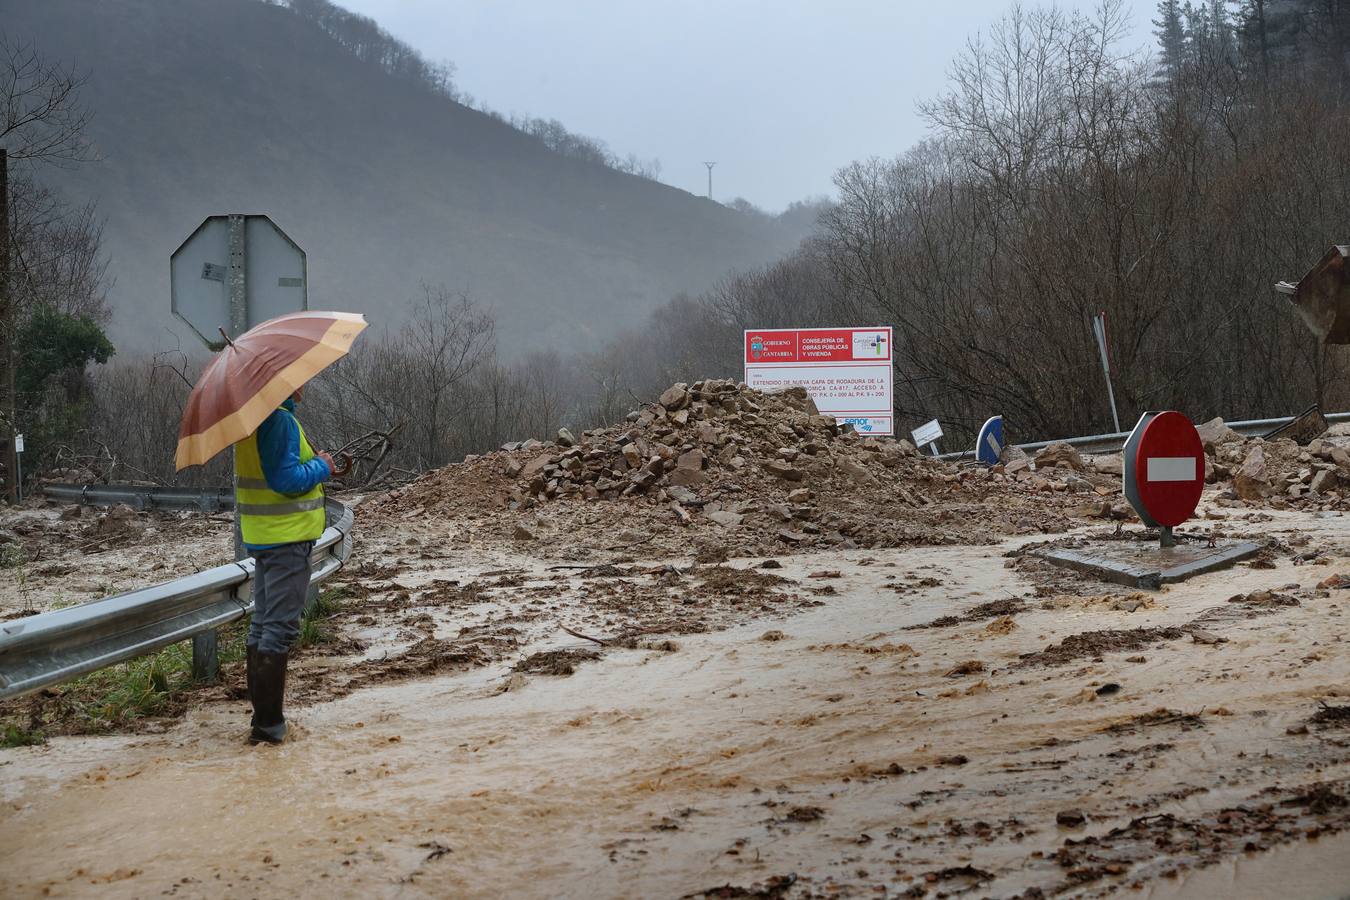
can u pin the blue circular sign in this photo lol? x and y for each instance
(989, 445)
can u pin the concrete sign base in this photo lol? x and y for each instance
(1145, 565)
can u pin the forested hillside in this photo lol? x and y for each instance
(358, 148)
(1064, 175)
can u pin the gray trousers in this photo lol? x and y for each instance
(280, 585)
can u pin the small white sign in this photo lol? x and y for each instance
(927, 433)
(18, 443)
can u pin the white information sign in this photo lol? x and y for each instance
(847, 371)
(927, 433)
(18, 443)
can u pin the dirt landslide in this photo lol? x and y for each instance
(728, 650)
(719, 470)
(55, 555)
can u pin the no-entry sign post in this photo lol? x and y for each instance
(1164, 471)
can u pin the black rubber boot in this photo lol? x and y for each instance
(251, 679)
(269, 689)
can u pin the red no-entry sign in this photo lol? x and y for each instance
(1164, 468)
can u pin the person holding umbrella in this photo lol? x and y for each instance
(246, 397)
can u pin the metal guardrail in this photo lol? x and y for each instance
(1114, 442)
(52, 647)
(141, 498)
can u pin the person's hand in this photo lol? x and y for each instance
(328, 461)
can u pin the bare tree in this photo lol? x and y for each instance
(41, 120)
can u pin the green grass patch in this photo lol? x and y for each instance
(330, 601)
(111, 698)
(12, 556)
(17, 736)
(326, 605)
(154, 686)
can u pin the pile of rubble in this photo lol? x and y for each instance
(716, 467)
(692, 437)
(1279, 472)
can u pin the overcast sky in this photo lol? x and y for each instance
(780, 93)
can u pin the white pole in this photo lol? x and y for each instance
(1099, 330)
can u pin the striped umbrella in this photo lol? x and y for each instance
(255, 373)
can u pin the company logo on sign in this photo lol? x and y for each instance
(869, 345)
(756, 346)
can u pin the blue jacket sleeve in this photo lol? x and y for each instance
(279, 450)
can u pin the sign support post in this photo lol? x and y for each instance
(218, 290)
(1099, 330)
(18, 466)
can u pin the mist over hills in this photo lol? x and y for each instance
(213, 106)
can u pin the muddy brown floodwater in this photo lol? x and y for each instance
(937, 726)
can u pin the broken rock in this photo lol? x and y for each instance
(1215, 432)
(855, 471)
(726, 517)
(780, 469)
(535, 466)
(1060, 455)
(682, 494)
(1252, 481)
(675, 397)
(1324, 480)
(693, 459)
(1109, 465)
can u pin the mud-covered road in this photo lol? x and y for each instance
(1187, 747)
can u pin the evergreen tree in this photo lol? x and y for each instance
(1254, 35)
(1171, 38)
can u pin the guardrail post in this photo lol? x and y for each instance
(205, 656)
(206, 646)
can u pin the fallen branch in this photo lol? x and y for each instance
(585, 637)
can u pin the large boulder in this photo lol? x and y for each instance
(1252, 480)
(1111, 464)
(856, 471)
(691, 459)
(1061, 456)
(780, 469)
(1325, 480)
(1215, 432)
(675, 397)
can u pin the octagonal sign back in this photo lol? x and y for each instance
(274, 278)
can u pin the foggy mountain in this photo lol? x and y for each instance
(203, 107)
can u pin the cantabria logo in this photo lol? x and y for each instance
(756, 346)
(869, 345)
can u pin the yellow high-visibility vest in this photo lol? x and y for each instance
(265, 516)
